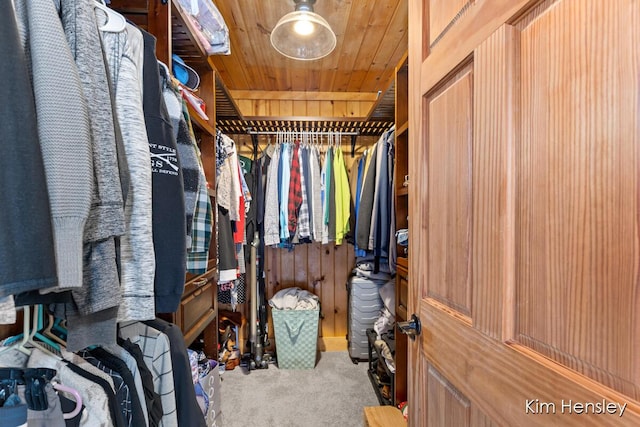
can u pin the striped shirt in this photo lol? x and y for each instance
(304, 226)
(155, 347)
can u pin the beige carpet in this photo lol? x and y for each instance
(331, 394)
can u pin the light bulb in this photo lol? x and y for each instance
(304, 27)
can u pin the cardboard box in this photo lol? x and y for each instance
(211, 385)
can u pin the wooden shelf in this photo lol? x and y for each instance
(402, 128)
(402, 191)
(199, 122)
(184, 37)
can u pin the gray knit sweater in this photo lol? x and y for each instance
(63, 129)
(124, 53)
(106, 218)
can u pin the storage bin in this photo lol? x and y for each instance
(296, 333)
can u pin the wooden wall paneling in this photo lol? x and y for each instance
(577, 206)
(257, 106)
(318, 269)
(245, 105)
(441, 14)
(304, 95)
(140, 21)
(326, 109)
(313, 109)
(340, 109)
(353, 109)
(286, 108)
(272, 272)
(445, 402)
(287, 278)
(495, 68)
(314, 268)
(450, 131)
(274, 109)
(299, 108)
(328, 292)
(301, 265)
(344, 263)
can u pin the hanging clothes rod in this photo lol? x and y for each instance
(276, 132)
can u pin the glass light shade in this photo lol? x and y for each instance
(303, 35)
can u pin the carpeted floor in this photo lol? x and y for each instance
(331, 394)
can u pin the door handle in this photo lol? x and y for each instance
(411, 327)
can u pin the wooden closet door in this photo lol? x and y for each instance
(524, 200)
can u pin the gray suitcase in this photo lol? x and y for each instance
(364, 309)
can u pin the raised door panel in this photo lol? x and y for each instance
(448, 199)
(577, 190)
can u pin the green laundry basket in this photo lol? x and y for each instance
(296, 333)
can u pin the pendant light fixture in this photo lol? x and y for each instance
(303, 34)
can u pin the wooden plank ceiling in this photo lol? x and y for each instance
(371, 39)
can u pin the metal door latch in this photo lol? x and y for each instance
(411, 327)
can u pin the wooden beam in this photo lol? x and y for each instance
(304, 96)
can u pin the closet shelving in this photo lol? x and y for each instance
(402, 221)
(274, 124)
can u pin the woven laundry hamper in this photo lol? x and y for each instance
(296, 333)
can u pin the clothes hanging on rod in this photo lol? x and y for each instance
(32, 262)
(144, 380)
(374, 203)
(307, 192)
(233, 202)
(113, 216)
(106, 230)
